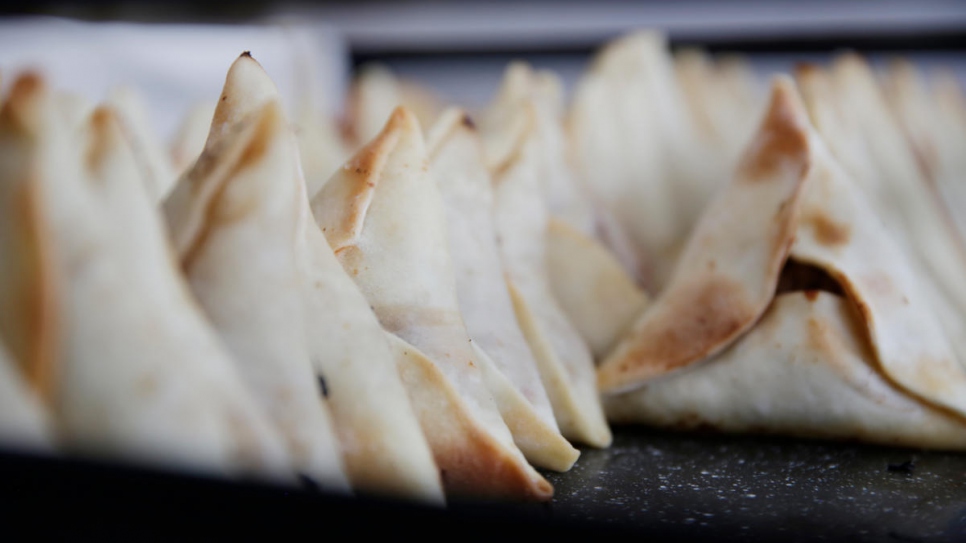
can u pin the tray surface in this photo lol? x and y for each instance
(724, 487)
(661, 485)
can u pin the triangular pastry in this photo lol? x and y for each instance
(384, 218)
(375, 93)
(515, 156)
(634, 145)
(133, 370)
(301, 306)
(531, 101)
(868, 360)
(456, 163)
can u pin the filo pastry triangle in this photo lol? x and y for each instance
(856, 355)
(515, 157)
(292, 314)
(375, 92)
(587, 279)
(117, 346)
(848, 110)
(936, 133)
(633, 145)
(456, 163)
(384, 218)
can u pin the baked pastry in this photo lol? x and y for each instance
(235, 238)
(105, 326)
(857, 353)
(302, 330)
(456, 163)
(384, 218)
(514, 152)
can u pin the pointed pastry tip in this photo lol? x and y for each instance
(106, 136)
(26, 84)
(450, 121)
(247, 87)
(782, 137)
(245, 70)
(807, 70)
(403, 120)
(22, 101)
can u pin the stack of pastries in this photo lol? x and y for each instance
(425, 304)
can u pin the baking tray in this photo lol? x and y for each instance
(649, 483)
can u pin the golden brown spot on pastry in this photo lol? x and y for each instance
(357, 181)
(229, 205)
(827, 231)
(479, 467)
(694, 322)
(863, 308)
(470, 461)
(817, 336)
(933, 374)
(100, 141)
(806, 69)
(221, 209)
(29, 304)
(264, 133)
(781, 139)
(398, 317)
(20, 104)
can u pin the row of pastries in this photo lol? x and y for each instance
(426, 303)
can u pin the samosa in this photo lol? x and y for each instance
(384, 218)
(792, 311)
(117, 346)
(294, 315)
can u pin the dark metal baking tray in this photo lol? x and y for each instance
(741, 488)
(654, 484)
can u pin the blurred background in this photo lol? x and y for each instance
(177, 52)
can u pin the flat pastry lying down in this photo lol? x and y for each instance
(847, 349)
(103, 325)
